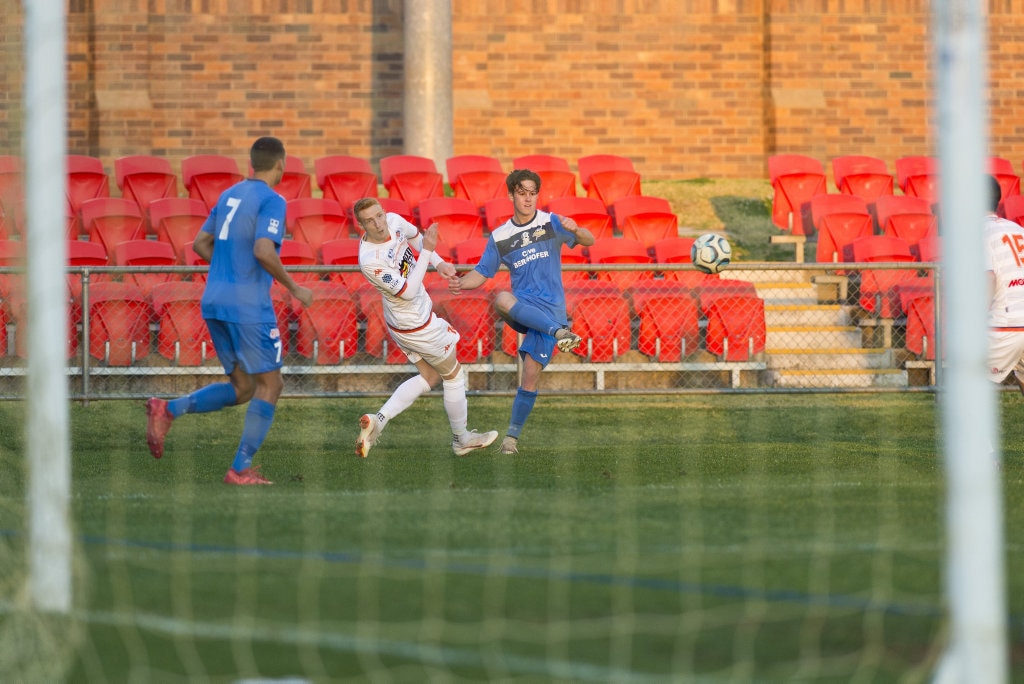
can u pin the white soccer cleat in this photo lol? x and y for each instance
(470, 441)
(369, 431)
(509, 445)
(566, 340)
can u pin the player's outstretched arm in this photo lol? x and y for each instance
(469, 280)
(583, 236)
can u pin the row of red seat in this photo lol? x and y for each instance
(662, 319)
(342, 178)
(797, 180)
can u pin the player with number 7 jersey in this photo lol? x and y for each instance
(241, 239)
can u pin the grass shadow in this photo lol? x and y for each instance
(748, 223)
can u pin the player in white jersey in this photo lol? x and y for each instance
(530, 245)
(386, 260)
(1004, 264)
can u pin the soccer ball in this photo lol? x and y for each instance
(711, 253)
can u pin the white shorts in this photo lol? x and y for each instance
(1005, 353)
(433, 342)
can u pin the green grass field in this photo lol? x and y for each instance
(697, 538)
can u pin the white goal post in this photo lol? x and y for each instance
(974, 567)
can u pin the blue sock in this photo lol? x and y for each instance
(209, 398)
(533, 318)
(522, 405)
(258, 419)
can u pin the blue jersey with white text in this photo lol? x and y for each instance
(238, 287)
(533, 254)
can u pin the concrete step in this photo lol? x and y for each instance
(787, 293)
(782, 315)
(827, 360)
(813, 337)
(767, 277)
(837, 378)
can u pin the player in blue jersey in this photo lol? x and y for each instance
(241, 239)
(530, 245)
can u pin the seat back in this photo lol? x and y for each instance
(86, 180)
(327, 331)
(296, 253)
(345, 179)
(679, 250)
(587, 212)
(343, 252)
(862, 176)
(206, 176)
(82, 253)
(457, 219)
(795, 179)
(669, 321)
(295, 182)
(112, 220)
(411, 178)
(917, 176)
(497, 211)
(472, 314)
(591, 164)
(620, 251)
(735, 327)
(477, 178)
(646, 219)
(177, 221)
(315, 220)
(119, 317)
(556, 178)
(146, 253)
(879, 293)
(143, 178)
(1002, 170)
(603, 324)
(182, 335)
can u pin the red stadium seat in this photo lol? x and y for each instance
(918, 176)
(476, 178)
(1013, 208)
(556, 178)
(12, 255)
(146, 253)
(345, 179)
(296, 181)
(1002, 170)
(839, 220)
(621, 251)
(143, 178)
(86, 180)
(344, 252)
(177, 221)
(905, 217)
(497, 211)
(647, 219)
(182, 335)
(572, 255)
(206, 176)
(669, 320)
(296, 253)
(82, 253)
(457, 219)
(608, 177)
(193, 259)
(862, 176)
(315, 220)
(472, 314)
(587, 212)
(795, 179)
(679, 250)
(411, 178)
(878, 293)
(119, 317)
(17, 312)
(917, 302)
(735, 325)
(378, 340)
(111, 221)
(391, 205)
(327, 331)
(603, 323)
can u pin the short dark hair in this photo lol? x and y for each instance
(516, 178)
(995, 193)
(266, 152)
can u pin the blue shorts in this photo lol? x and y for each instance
(540, 346)
(256, 347)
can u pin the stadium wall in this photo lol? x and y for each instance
(686, 88)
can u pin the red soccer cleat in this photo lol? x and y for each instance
(249, 476)
(157, 425)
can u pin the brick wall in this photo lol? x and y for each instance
(687, 88)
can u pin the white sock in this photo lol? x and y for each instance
(402, 398)
(455, 403)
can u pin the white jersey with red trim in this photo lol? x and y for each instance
(387, 266)
(1004, 256)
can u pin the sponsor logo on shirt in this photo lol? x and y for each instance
(274, 227)
(1016, 282)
